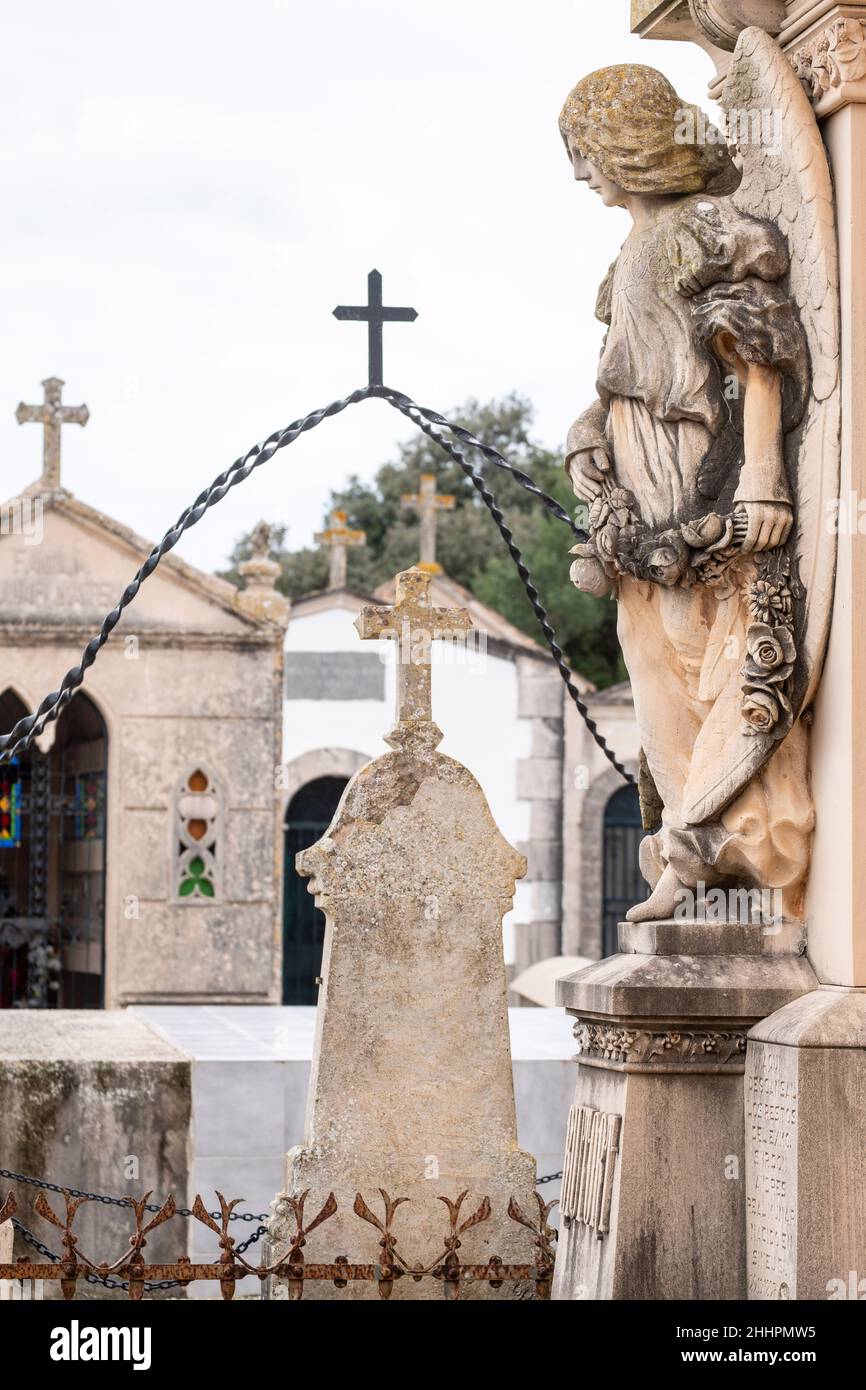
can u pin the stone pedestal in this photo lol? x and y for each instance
(805, 1098)
(653, 1191)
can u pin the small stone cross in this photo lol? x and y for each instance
(427, 502)
(52, 415)
(414, 625)
(337, 538)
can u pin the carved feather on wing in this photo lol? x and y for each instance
(786, 180)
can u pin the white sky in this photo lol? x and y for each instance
(190, 187)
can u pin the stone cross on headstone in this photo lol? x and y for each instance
(52, 415)
(427, 502)
(414, 624)
(338, 537)
(411, 1088)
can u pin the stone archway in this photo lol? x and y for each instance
(312, 785)
(591, 859)
(308, 815)
(52, 862)
(320, 762)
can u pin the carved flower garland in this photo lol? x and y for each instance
(770, 649)
(697, 552)
(702, 552)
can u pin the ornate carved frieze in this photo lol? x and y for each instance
(831, 64)
(616, 1044)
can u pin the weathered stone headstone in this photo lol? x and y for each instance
(411, 1090)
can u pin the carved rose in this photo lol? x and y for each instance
(614, 506)
(621, 506)
(668, 562)
(704, 532)
(607, 541)
(760, 711)
(771, 653)
(766, 711)
(709, 534)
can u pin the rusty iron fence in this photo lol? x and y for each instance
(131, 1272)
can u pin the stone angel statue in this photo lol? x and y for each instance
(710, 459)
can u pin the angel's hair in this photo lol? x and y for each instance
(629, 122)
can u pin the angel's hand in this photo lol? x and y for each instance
(768, 525)
(587, 470)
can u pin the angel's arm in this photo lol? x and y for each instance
(762, 489)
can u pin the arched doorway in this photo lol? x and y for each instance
(52, 864)
(308, 816)
(623, 884)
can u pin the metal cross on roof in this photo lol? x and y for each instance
(52, 415)
(413, 624)
(374, 314)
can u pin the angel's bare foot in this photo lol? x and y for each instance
(661, 902)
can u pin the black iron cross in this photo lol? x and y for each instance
(374, 314)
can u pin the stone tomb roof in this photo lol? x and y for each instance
(76, 572)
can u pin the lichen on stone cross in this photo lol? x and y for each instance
(427, 502)
(259, 598)
(338, 538)
(414, 624)
(52, 415)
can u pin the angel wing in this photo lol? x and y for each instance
(786, 180)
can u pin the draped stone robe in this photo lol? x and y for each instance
(671, 421)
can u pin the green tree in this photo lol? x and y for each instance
(469, 546)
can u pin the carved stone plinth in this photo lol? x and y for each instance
(806, 1149)
(657, 1187)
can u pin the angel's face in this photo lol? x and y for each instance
(586, 172)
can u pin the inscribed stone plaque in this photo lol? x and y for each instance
(771, 1170)
(334, 676)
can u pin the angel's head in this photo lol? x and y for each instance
(628, 133)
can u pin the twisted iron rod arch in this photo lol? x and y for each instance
(27, 729)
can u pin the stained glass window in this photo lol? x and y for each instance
(89, 806)
(10, 806)
(197, 825)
